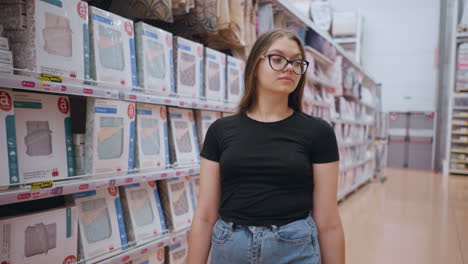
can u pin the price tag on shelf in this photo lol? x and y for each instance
(41, 185)
(51, 78)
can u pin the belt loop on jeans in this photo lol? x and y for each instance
(231, 226)
(274, 228)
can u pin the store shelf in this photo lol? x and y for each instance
(139, 251)
(353, 188)
(460, 116)
(459, 151)
(460, 94)
(459, 161)
(327, 85)
(355, 99)
(352, 122)
(460, 108)
(353, 144)
(459, 142)
(319, 104)
(319, 57)
(115, 93)
(455, 124)
(352, 40)
(87, 183)
(350, 96)
(301, 16)
(355, 165)
(455, 171)
(460, 133)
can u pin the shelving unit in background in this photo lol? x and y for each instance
(353, 44)
(362, 170)
(457, 127)
(357, 164)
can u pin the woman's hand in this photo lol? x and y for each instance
(325, 213)
(206, 213)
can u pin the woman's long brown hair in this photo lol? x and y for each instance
(262, 44)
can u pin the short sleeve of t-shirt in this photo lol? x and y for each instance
(211, 149)
(324, 146)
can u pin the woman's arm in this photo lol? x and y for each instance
(206, 213)
(325, 213)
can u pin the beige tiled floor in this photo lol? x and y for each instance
(414, 217)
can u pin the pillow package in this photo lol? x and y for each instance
(188, 58)
(204, 121)
(42, 237)
(8, 150)
(235, 79)
(43, 136)
(178, 252)
(109, 144)
(152, 143)
(143, 212)
(101, 224)
(155, 257)
(215, 75)
(154, 59)
(112, 49)
(54, 39)
(177, 203)
(183, 137)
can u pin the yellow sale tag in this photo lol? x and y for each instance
(41, 185)
(51, 78)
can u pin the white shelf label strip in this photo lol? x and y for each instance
(75, 186)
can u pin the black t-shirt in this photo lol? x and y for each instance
(266, 168)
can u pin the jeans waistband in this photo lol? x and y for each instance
(233, 225)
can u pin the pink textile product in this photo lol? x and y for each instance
(188, 58)
(57, 35)
(187, 69)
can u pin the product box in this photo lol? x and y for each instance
(215, 75)
(345, 24)
(195, 190)
(143, 213)
(6, 68)
(8, 151)
(112, 49)
(151, 141)
(101, 224)
(204, 120)
(235, 80)
(177, 203)
(6, 57)
(4, 44)
(110, 128)
(43, 237)
(155, 59)
(43, 136)
(183, 137)
(188, 58)
(54, 39)
(155, 257)
(178, 252)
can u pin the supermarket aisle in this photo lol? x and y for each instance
(415, 217)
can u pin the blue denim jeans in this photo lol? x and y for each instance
(293, 243)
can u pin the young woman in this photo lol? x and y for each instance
(269, 173)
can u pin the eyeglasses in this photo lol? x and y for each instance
(279, 63)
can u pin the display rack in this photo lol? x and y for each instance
(353, 44)
(88, 182)
(457, 151)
